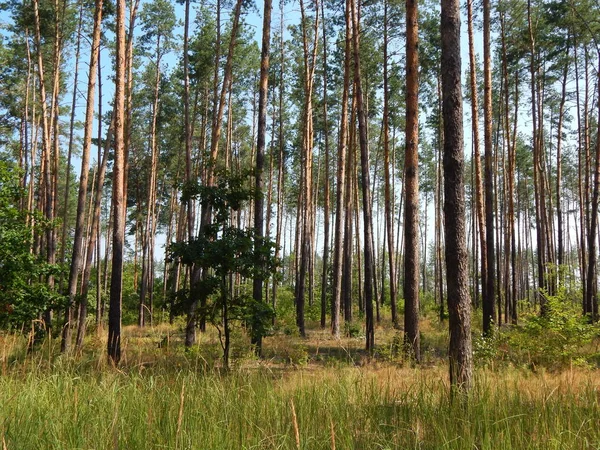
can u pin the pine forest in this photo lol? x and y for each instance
(299, 224)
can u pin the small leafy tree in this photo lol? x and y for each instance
(23, 294)
(556, 338)
(223, 251)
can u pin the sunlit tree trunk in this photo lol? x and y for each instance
(489, 298)
(592, 275)
(78, 247)
(479, 205)
(281, 159)
(46, 197)
(306, 243)
(341, 188)
(459, 305)
(119, 207)
(389, 201)
(327, 187)
(411, 186)
(369, 265)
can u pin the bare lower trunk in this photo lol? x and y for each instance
(114, 317)
(411, 186)
(366, 185)
(78, 248)
(459, 305)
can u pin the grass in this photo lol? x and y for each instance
(311, 394)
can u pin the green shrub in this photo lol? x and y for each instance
(555, 338)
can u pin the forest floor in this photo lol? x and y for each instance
(313, 393)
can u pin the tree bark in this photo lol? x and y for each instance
(327, 187)
(366, 184)
(78, 249)
(489, 298)
(341, 206)
(389, 201)
(119, 207)
(479, 205)
(263, 92)
(459, 305)
(592, 273)
(411, 186)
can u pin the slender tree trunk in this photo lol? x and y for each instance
(537, 165)
(366, 184)
(78, 249)
(260, 156)
(411, 186)
(479, 204)
(119, 208)
(459, 305)
(489, 304)
(327, 192)
(46, 179)
(307, 230)
(559, 213)
(580, 183)
(92, 243)
(341, 188)
(148, 239)
(349, 214)
(389, 201)
(281, 160)
(69, 157)
(592, 274)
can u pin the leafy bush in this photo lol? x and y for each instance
(555, 338)
(24, 292)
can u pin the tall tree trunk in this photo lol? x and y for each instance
(327, 188)
(366, 184)
(78, 249)
(46, 180)
(119, 208)
(347, 256)
(341, 188)
(459, 305)
(510, 137)
(67, 192)
(479, 205)
(411, 185)
(389, 201)
(281, 159)
(559, 213)
(489, 303)
(150, 225)
(580, 183)
(263, 92)
(92, 243)
(537, 163)
(307, 229)
(592, 274)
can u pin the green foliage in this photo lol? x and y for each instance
(223, 251)
(286, 311)
(486, 349)
(24, 293)
(556, 337)
(353, 329)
